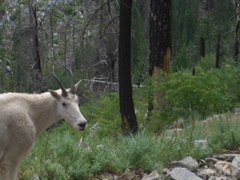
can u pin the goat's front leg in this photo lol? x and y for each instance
(8, 170)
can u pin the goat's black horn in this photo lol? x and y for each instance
(73, 89)
(64, 92)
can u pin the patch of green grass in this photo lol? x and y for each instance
(58, 155)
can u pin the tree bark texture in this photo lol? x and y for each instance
(217, 64)
(129, 121)
(236, 43)
(160, 36)
(36, 70)
(202, 47)
(160, 45)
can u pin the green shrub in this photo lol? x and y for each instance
(207, 62)
(183, 59)
(225, 134)
(206, 93)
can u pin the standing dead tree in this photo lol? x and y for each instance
(217, 64)
(36, 68)
(129, 119)
(160, 47)
(236, 43)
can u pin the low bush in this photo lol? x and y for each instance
(206, 93)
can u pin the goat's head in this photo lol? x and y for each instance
(67, 104)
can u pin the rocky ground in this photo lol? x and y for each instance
(218, 167)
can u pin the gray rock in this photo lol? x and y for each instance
(153, 176)
(211, 161)
(235, 167)
(219, 168)
(225, 157)
(203, 143)
(188, 162)
(206, 173)
(181, 174)
(35, 177)
(237, 111)
(218, 178)
(178, 124)
(107, 176)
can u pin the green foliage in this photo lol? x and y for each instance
(206, 93)
(184, 59)
(138, 151)
(58, 156)
(185, 17)
(68, 10)
(139, 44)
(208, 62)
(16, 15)
(190, 21)
(106, 112)
(225, 134)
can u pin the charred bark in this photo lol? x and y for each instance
(129, 120)
(202, 47)
(36, 69)
(160, 36)
(236, 43)
(160, 44)
(217, 64)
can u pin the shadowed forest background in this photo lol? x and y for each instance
(38, 37)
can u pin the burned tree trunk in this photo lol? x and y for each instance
(160, 44)
(160, 36)
(236, 43)
(202, 47)
(36, 69)
(217, 64)
(129, 120)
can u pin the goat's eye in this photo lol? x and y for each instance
(64, 104)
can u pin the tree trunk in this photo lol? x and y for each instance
(202, 47)
(236, 43)
(129, 121)
(217, 65)
(36, 70)
(160, 44)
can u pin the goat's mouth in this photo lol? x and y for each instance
(81, 129)
(82, 126)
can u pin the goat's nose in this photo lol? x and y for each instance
(82, 124)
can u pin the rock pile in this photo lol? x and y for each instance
(218, 167)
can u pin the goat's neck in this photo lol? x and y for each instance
(44, 112)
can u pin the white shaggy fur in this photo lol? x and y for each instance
(23, 117)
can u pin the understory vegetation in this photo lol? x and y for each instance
(62, 153)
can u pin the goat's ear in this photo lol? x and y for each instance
(54, 94)
(76, 85)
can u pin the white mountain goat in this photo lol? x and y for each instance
(23, 117)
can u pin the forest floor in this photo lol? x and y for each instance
(129, 174)
(138, 173)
